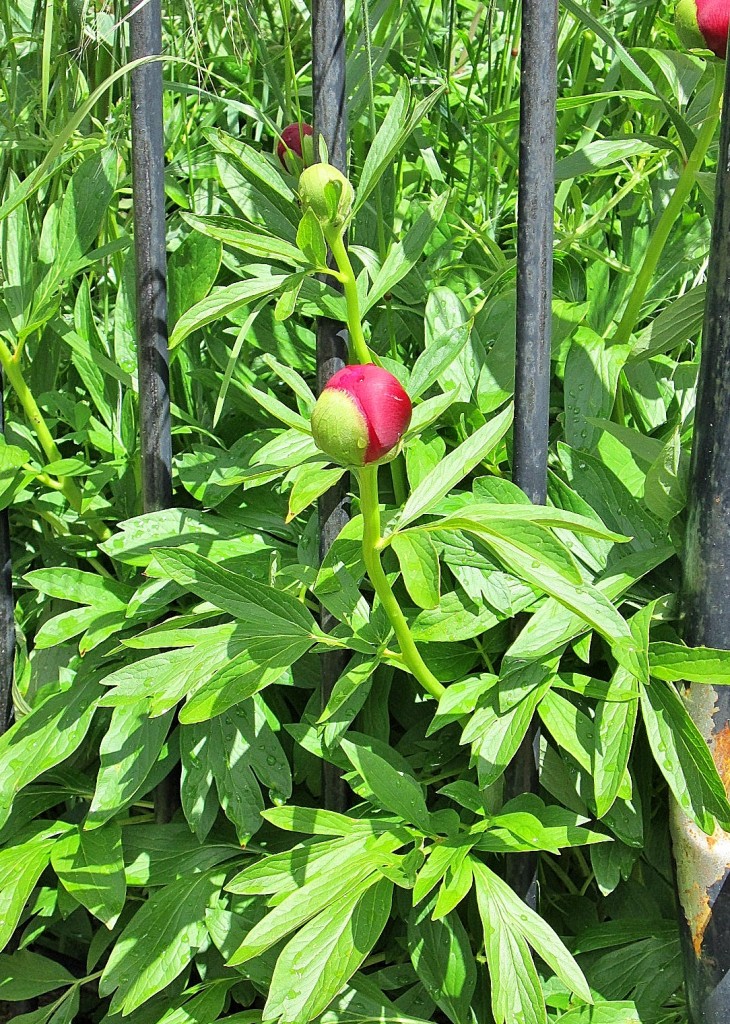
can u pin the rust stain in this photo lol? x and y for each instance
(721, 754)
(701, 919)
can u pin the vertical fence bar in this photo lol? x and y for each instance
(148, 165)
(7, 608)
(535, 213)
(330, 124)
(703, 862)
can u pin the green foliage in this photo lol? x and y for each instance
(176, 655)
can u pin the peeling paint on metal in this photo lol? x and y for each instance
(702, 861)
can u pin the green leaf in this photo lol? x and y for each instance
(442, 958)
(265, 610)
(675, 663)
(159, 942)
(45, 738)
(261, 663)
(21, 865)
(155, 855)
(310, 239)
(454, 468)
(83, 210)
(24, 975)
(445, 348)
(68, 584)
(251, 240)
(683, 757)
(523, 556)
(355, 867)
(90, 865)
(403, 255)
(515, 986)
(419, 565)
(591, 377)
(310, 482)
(496, 736)
(393, 132)
(222, 301)
(16, 257)
(493, 891)
(614, 733)
(392, 788)
(128, 753)
(320, 959)
(191, 272)
(288, 871)
(235, 750)
(319, 821)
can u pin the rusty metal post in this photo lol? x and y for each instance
(330, 124)
(7, 609)
(535, 220)
(703, 862)
(148, 188)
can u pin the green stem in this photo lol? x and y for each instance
(670, 213)
(66, 485)
(349, 285)
(12, 370)
(371, 544)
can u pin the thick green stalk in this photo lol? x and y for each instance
(14, 374)
(371, 546)
(349, 284)
(658, 240)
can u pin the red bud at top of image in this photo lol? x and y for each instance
(295, 149)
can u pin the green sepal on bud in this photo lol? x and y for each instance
(339, 428)
(685, 21)
(328, 194)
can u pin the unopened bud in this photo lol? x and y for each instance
(361, 416)
(327, 193)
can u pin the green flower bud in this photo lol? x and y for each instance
(327, 193)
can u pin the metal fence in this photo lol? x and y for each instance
(707, 560)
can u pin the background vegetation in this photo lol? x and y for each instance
(397, 910)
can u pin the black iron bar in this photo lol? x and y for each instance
(7, 609)
(535, 216)
(148, 166)
(703, 862)
(330, 124)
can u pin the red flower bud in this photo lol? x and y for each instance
(361, 416)
(295, 149)
(703, 24)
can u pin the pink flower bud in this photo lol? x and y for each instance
(295, 149)
(361, 416)
(703, 24)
